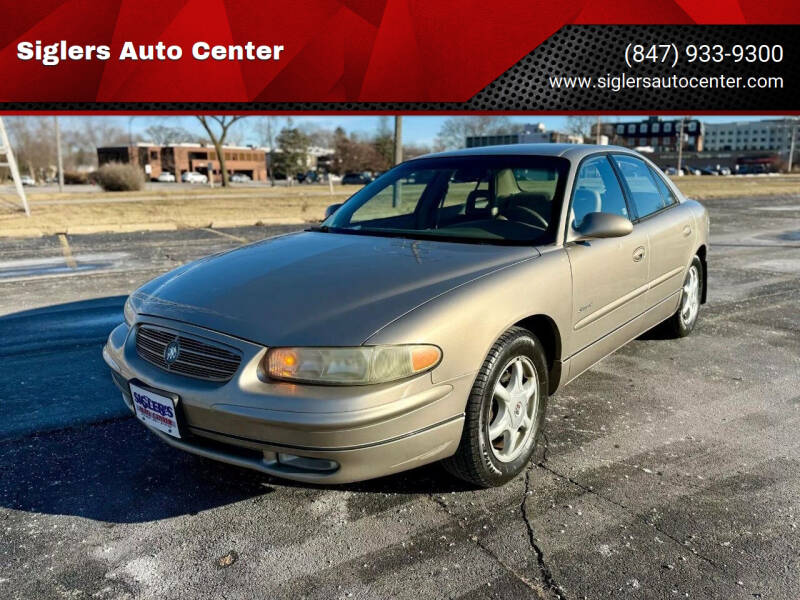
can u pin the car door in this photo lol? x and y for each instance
(667, 223)
(609, 276)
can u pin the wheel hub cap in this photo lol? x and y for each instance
(690, 297)
(515, 401)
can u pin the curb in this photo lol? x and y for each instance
(162, 226)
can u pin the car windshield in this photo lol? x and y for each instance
(485, 199)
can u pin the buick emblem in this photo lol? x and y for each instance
(172, 352)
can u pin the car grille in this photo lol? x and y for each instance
(198, 358)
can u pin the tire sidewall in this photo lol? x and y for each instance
(686, 328)
(521, 344)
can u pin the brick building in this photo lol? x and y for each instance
(181, 158)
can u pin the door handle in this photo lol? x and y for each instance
(687, 231)
(638, 254)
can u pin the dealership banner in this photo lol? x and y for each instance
(399, 55)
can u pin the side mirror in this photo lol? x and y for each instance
(331, 209)
(603, 225)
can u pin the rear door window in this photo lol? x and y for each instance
(666, 192)
(645, 194)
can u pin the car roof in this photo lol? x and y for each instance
(571, 152)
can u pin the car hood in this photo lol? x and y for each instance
(315, 288)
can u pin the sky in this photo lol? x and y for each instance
(420, 130)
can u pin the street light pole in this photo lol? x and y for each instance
(60, 158)
(680, 144)
(791, 144)
(398, 140)
(397, 190)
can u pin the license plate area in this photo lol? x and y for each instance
(156, 408)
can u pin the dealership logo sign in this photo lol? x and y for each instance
(172, 352)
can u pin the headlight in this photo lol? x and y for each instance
(350, 366)
(129, 313)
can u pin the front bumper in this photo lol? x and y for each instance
(307, 433)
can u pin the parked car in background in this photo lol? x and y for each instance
(756, 169)
(708, 171)
(166, 177)
(240, 178)
(309, 177)
(357, 178)
(194, 177)
(689, 170)
(27, 180)
(433, 327)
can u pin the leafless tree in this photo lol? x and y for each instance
(217, 128)
(266, 129)
(455, 130)
(321, 137)
(33, 141)
(81, 136)
(581, 125)
(165, 134)
(414, 150)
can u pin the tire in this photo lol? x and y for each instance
(480, 460)
(680, 324)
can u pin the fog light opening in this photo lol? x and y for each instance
(305, 463)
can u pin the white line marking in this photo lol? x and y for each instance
(241, 240)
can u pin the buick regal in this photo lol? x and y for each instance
(428, 318)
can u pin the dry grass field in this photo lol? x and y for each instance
(93, 212)
(135, 211)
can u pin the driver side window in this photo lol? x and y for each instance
(596, 189)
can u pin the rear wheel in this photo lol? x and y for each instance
(683, 321)
(505, 412)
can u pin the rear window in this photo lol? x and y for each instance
(647, 198)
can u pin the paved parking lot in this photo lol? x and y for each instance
(670, 470)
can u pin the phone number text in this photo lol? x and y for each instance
(672, 54)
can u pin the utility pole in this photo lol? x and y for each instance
(59, 157)
(397, 189)
(791, 144)
(597, 131)
(680, 144)
(398, 140)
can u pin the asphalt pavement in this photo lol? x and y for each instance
(669, 470)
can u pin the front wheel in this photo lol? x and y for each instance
(505, 412)
(683, 321)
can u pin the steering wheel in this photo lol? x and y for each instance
(528, 212)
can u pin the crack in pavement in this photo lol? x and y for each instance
(547, 574)
(630, 511)
(533, 586)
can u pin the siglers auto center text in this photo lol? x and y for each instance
(54, 53)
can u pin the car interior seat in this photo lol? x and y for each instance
(531, 208)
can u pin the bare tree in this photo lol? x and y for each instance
(455, 130)
(165, 134)
(83, 135)
(414, 150)
(267, 128)
(319, 136)
(217, 128)
(33, 140)
(581, 125)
